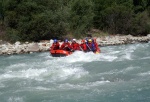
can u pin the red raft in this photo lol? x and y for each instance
(59, 53)
(63, 53)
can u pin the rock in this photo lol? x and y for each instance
(7, 48)
(17, 43)
(18, 51)
(33, 47)
(51, 42)
(44, 44)
(26, 42)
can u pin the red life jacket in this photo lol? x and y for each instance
(75, 46)
(66, 46)
(55, 46)
(83, 46)
(97, 48)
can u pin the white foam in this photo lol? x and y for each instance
(146, 57)
(64, 73)
(88, 57)
(114, 52)
(16, 66)
(144, 74)
(79, 56)
(42, 88)
(126, 56)
(109, 58)
(29, 73)
(15, 99)
(81, 86)
(128, 69)
(75, 72)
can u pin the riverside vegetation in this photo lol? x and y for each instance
(35, 20)
(28, 20)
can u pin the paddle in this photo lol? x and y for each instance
(68, 48)
(88, 47)
(81, 48)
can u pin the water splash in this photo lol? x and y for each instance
(117, 72)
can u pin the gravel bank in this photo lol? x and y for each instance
(19, 48)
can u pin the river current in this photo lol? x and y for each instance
(118, 74)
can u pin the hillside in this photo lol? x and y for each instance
(36, 20)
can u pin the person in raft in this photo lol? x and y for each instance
(66, 46)
(96, 45)
(91, 46)
(75, 45)
(83, 45)
(55, 45)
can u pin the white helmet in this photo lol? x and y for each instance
(74, 40)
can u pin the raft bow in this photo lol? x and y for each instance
(60, 53)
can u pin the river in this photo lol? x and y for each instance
(119, 74)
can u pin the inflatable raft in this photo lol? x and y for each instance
(63, 53)
(59, 53)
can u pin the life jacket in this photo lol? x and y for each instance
(84, 47)
(75, 46)
(66, 46)
(55, 46)
(96, 45)
(91, 47)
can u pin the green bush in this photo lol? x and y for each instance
(34, 20)
(141, 24)
(81, 16)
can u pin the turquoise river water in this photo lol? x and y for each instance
(118, 74)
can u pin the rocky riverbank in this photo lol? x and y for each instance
(19, 48)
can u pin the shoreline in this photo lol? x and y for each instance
(42, 46)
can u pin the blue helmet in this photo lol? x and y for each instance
(55, 40)
(66, 40)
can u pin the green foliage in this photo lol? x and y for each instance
(12, 35)
(81, 16)
(2, 11)
(117, 19)
(122, 16)
(141, 24)
(35, 20)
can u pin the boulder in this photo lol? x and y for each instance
(51, 42)
(17, 43)
(33, 47)
(26, 42)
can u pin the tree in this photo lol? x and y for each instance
(2, 11)
(36, 20)
(117, 19)
(81, 16)
(141, 24)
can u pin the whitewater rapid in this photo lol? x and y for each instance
(117, 74)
